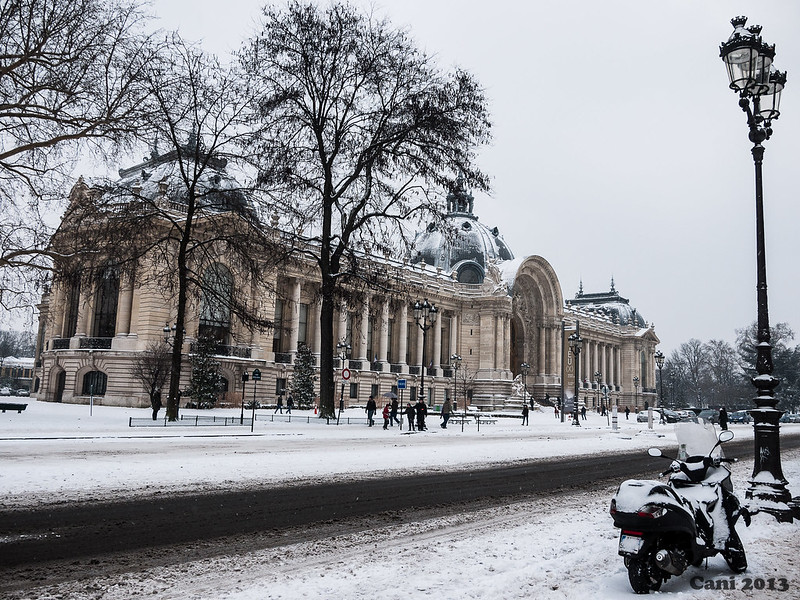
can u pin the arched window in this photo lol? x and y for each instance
(215, 312)
(94, 383)
(105, 303)
(71, 308)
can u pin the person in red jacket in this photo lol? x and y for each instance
(386, 412)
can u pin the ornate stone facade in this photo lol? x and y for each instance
(495, 311)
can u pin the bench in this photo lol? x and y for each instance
(13, 406)
(487, 420)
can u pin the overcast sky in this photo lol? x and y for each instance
(618, 148)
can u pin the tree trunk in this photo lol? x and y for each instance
(326, 379)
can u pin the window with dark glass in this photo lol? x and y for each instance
(94, 383)
(105, 304)
(277, 332)
(215, 310)
(73, 301)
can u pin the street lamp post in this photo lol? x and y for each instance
(660, 364)
(525, 367)
(575, 345)
(635, 392)
(342, 350)
(748, 60)
(425, 317)
(245, 379)
(256, 379)
(455, 362)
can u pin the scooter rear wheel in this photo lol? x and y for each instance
(734, 553)
(642, 575)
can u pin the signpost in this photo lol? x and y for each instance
(256, 378)
(401, 385)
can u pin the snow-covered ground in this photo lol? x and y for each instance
(562, 547)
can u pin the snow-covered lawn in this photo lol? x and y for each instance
(561, 547)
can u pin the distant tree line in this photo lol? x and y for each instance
(715, 373)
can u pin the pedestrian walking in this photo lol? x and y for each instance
(386, 412)
(289, 404)
(555, 411)
(393, 414)
(447, 408)
(525, 411)
(583, 412)
(155, 403)
(279, 405)
(371, 409)
(409, 412)
(723, 418)
(627, 413)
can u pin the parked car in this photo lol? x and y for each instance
(5, 391)
(710, 415)
(790, 418)
(739, 416)
(642, 416)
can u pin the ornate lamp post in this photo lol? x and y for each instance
(525, 367)
(342, 350)
(751, 74)
(245, 379)
(425, 317)
(455, 362)
(660, 364)
(636, 391)
(575, 345)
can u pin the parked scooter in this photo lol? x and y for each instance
(667, 527)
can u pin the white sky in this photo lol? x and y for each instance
(619, 149)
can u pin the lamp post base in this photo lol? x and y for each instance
(767, 491)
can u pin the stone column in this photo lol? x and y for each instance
(540, 358)
(383, 343)
(124, 303)
(294, 316)
(402, 327)
(58, 310)
(84, 312)
(454, 349)
(342, 333)
(363, 331)
(507, 344)
(437, 343)
(317, 339)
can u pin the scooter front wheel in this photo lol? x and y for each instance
(643, 575)
(734, 553)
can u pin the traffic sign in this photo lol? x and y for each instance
(256, 375)
(345, 373)
(401, 384)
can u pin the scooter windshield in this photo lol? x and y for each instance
(696, 439)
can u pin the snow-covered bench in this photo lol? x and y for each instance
(12, 406)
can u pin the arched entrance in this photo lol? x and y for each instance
(61, 381)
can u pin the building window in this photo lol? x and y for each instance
(302, 326)
(374, 390)
(409, 331)
(215, 311)
(354, 390)
(277, 334)
(280, 386)
(94, 383)
(73, 302)
(389, 340)
(371, 356)
(105, 304)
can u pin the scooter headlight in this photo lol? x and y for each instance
(651, 511)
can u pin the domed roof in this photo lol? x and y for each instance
(461, 243)
(610, 304)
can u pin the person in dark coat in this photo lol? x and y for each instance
(627, 412)
(409, 412)
(723, 418)
(289, 404)
(393, 414)
(155, 402)
(525, 410)
(279, 406)
(583, 412)
(421, 410)
(371, 409)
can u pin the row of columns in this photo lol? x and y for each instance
(602, 357)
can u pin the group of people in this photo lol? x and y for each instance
(416, 414)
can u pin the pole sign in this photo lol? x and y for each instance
(401, 384)
(345, 373)
(256, 375)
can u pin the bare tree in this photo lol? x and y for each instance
(367, 133)
(694, 358)
(70, 81)
(151, 368)
(196, 223)
(727, 385)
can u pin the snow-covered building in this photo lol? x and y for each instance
(496, 311)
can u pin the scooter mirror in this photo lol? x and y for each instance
(726, 436)
(654, 452)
